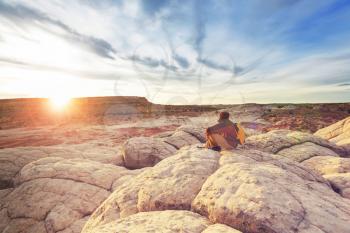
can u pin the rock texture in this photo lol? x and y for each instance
(279, 182)
(171, 184)
(261, 193)
(338, 133)
(196, 131)
(247, 190)
(164, 221)
(57, 195)
(278, 141)
(157, 221)
(220, 228)
(143, 152)
(180, 139)
(335, 170)
(80, 170)
(306, 150)
(12, 160)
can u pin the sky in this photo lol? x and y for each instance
(177, 51)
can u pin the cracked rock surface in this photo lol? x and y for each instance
(171, 184)
(247, 190)
(335, 170)
(271, 196)
(277, 141)
(338, 133)
(143, 152)
(12, 160)
(279, 182)
(57, 195)
(157, 221)
(306, 150)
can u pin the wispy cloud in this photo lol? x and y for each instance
(26, 16)
(199, 29)
(152, 62)
(344, 84)
(217, 66)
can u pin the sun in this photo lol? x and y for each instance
(60, 102)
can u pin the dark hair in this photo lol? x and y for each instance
(224, 115)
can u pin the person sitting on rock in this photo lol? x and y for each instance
(224, 135)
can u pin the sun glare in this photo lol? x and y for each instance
(59, 102)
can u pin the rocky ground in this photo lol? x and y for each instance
(153, 175)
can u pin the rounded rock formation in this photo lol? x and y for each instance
(57, 195)
(12, 160)
(247, 190)
(143, 152)
(277, 141)
(338, 133)
(335, 170)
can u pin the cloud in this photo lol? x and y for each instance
(148, 61)
(153, 6)
(168, 66)
(344, 84)
(13, 61)
(49, 68)
(200, 22)
(236, 70)
(25, 15)
(152, 62)
(318, 69)
(215, 65)
(181, 61)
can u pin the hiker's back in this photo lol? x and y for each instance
(223, 135)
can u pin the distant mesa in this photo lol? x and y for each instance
(92, 110)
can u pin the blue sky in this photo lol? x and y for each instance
(177, 51)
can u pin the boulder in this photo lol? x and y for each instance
(269, 193)
(220, 228)
(247, 190)
(306, 150)
(188, 169)
(196, 131)
(162, 221)
(55, 203)
(155, 221)
(143, 152)
(278, 140)
(335, 170)
(80, 170)
(339, 133)
(12, 160)
(180, 139)
(57, 195)
(171, 184)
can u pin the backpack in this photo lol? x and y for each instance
(240, 133)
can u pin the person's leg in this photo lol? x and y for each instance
(210, 142)
(221, 142)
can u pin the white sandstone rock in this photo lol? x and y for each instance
(143, 152)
